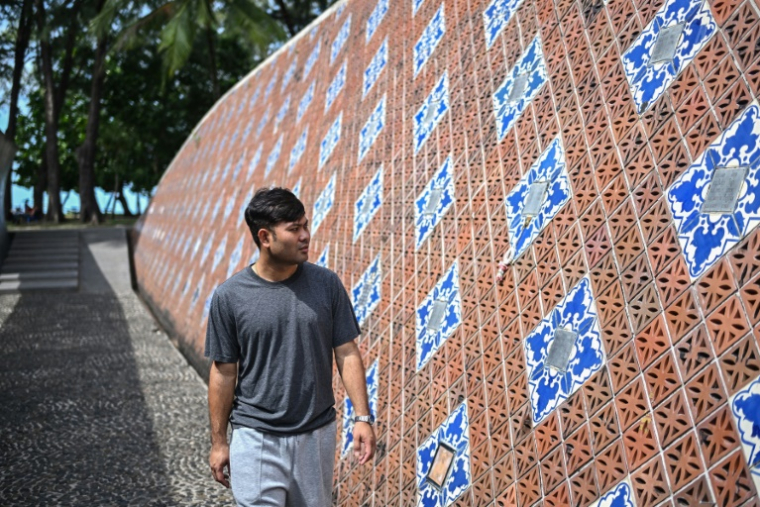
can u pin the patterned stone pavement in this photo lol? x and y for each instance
(97, 407)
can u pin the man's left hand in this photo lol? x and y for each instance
(364, 442)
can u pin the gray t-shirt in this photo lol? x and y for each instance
(283, 335)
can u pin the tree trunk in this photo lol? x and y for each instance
(123, 201)
(212, 61)
(22, 43)
(54, 213)
(89, 211)
(40, 185)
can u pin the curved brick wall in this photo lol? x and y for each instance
(608, 152)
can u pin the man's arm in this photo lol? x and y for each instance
(351, 369)
(221, 393)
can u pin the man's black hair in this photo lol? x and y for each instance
(271, 206)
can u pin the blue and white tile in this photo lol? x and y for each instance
(219, 254)
(330, 141)
(228, 208)
(375, 18)
(298, 149)
(303, 105)
(238, 167)
(297, 188)
(706, 237)
(207, 303)
(531, 64)
(375, 68)
(340, 39)
(648, 80)
(368, 203)
(745, 407)
(270, 86)
(324, 257)
(312, 59)
(347, 431)
(235, 257)
(433, 108)
(243, 206)
(247, 131)
(366, 294)
(254, 163)
(429, 40)
(323, 205)
(416, 4)
(549, 167)
(340, 9)
(282, 112)
(274, 155)
(263, 121)
(446, 290)
(372, 128)
(454, 432)
(197, 292)
(424, 223)
(289, 73)
(254, 98)
(226, 170)
(206, 249)
(619, 496)
(335, 86)
(549, 387)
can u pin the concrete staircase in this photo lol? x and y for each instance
(41, 260)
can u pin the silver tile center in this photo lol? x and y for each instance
(667, 43)
(535, 199)
(724, 189)
(437, 315)
(560, 350)
(433, 201)
(518, 87)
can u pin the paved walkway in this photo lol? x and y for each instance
(96, 406)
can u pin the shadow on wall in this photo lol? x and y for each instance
(75, 428)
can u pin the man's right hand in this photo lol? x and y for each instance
(219, 459)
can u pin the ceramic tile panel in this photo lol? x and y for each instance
(545, 219)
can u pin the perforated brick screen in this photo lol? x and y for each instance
(414, 133)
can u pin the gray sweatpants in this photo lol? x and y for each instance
(278, 471)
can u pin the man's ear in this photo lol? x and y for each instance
(264, 237)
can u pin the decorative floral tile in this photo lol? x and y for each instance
(282, 112)
(274, 155)
(705, 235)
(270, 86)
(433, 108)
(375, 18)
(335, 87)
(522, 84)
(289, 73)
(312, 59)
(340, 9)
(197, 292)
(547, 180)
(323, 205)
(243, 206)
(263, 121)
(438, 316)
(324, 257)
(619, 496)
(416, 4)
(206, 249)
(667, 45)
(572, 330)
(254, 98)
(366, 293)
(237, 254)
(368, 203)
(434, 201)
(348, 410)
(298, 149)
(453, 438)
(297, 188)
(254, 161)
(745, 406)
(330, 140)
(207, 304)
(429, 39)
(340, 39)
(376, 66)
(238, 167)
(371, 129)
(308, 96)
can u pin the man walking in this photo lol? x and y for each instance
(272, 331)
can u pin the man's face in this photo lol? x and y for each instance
(289, 241)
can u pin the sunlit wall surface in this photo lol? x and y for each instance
(607, 153)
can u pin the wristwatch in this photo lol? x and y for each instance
(365, 419)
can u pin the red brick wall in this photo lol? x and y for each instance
(657, 413)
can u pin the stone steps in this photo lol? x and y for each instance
(41, 261)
